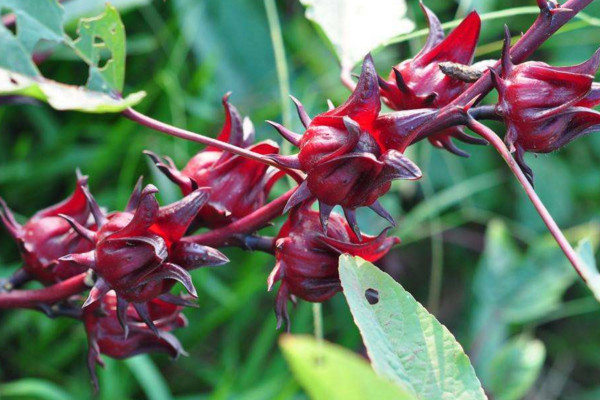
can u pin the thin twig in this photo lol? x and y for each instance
(227, 235)
(162, 127)
(560, 238)
(48, 295)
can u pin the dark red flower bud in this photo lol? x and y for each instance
(545, 107)
(344, 163)
(307, 260)
(420, 83)
(248, 182)
(46, 237)
(104, 323)
(139, 252)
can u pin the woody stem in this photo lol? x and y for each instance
(226, 236)
(162, 127)
(501, 148)
(48, 295)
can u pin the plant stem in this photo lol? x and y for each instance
(158, 126)
(226, 236)
(317, 309)
(48, 295)
(280, 63)
(437, 244)
(501, 148)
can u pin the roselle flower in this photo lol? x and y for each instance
(545, 107)
(241, 185)
(307, 260)
(46, 237)
(420, 83)
(139, 253)
(103, 323)
(344, 163)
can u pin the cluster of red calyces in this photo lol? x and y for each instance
(105, 332)
(136, 255)
(46, 236)
(545, 107)
(419, 83)
(307, 259)
(347, 156)
(344, 163)
(248, 182)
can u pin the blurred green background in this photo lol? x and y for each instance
(186, 54)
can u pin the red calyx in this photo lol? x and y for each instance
(341, 157)
(241, 185)
(419, 83)
(545, 107)
(307, 261)
(139, 254)
(46, 237)
(104, 322)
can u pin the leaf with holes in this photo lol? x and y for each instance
(515, 368)
(35, 20)
(64, 97)
(355, 27)
(330, 372)
(404, 341)
(98, 35)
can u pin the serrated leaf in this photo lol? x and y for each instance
(105, 32)
(515, 368)
(36, 20)
(355, 27)
(330, 372)
(590, 272)
(404, 341)
(64, 97)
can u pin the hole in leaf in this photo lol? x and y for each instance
(318, 360)
(372, 296)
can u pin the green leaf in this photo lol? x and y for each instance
(64, 97)
(404, 341)
(36, 20)
(590, 272)
(330, 372)
(19, 61)
(355, 27)
(515, 288)
(515, 368)
(76, 9)
(520, 288)
(97, 35)
(33, 389)
(151, 381)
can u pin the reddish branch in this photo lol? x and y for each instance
(195, 137)
(226, 235)
(47, 296)
(499, 145)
